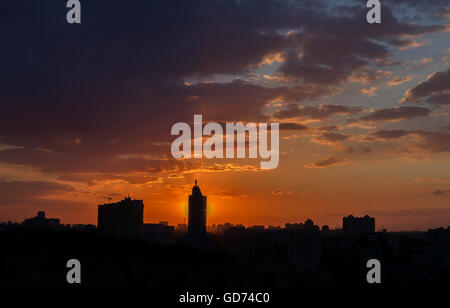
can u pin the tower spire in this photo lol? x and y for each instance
(195, 182)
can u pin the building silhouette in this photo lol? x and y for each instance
(197, 212)
(121, 219)
(41, 221)
(125, 219)
(181, 228)
(297, 244)
(358, 225)
(160, 233)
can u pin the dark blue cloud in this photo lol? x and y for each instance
(114, 84)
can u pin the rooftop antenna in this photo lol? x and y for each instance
(195, 182)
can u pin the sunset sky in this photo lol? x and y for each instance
(87, 109)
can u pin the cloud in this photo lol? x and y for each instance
(96, 102)
(21, 192)
(54, 162)
(390, 134)
(434, 90)
(279, 192)
(316, 112)
(440, 99)
(367, 77)
(408, 44)
(216, 167)
(424, 141)
(428, 180)
(292, 127)
(334, 140)
(419, 64)
(228, 194)
(396, 114)
(325, 162)
(95, 178)
(329, 128)
(422, 9)
(175, 176)
(365, 149)
(369, 91)
(399, 80)
(153, 64)
(333, 137)
(444, 13)
(433, 142)
(440, 192)
(351, 52)
(290, 137)
(276, 78)
(272, 58)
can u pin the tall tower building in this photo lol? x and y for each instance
(197, 211)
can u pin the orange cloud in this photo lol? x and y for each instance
(370, 91)
(399, 80)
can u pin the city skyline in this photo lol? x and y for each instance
(129, 212)
(363, 109)
(125, 218)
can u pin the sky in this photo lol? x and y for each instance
(87, 109)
